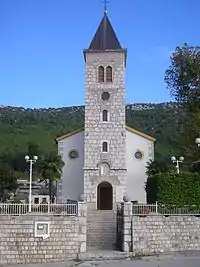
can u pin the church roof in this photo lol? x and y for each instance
(148, 137)
(105, 37)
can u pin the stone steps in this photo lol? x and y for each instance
(101, 229)
(108, 243)
(101, 238)
(96, 254)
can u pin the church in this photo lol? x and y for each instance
(105, 162)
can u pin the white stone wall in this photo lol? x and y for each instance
(136, 168)
(71, 186)
(96, 132)
(18, 244)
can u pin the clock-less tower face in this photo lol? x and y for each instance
(105, 109)
(105, 114)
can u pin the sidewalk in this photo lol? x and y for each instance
(185, 259)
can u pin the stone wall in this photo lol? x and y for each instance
(18, 243)
(158, 234)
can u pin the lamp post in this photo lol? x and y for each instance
(31, 161)
(174, 160)
(197, 142)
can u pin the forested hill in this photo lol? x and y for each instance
(20, 126)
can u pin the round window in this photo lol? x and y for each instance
(73, 154)
(138, 154)
(105, 96)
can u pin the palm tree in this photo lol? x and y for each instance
(51, 170)
(157, 166)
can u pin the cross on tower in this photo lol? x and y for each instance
(105, 6)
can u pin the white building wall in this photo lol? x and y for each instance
(136, 169)
(72, 178)
(73, 175)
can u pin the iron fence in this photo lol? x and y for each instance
(51, 209)
(160, 209)
(119, 227)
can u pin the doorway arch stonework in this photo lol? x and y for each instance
(105, 196)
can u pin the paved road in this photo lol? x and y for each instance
(154, 263)
(177, 260)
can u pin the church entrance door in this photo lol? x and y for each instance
(105, 196)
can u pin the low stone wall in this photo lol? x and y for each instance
(158, 234)
(18, 243)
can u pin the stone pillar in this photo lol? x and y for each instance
(82, 219)
(127, 225)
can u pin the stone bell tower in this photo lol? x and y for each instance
(105, 136)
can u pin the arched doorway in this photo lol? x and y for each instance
(104, 196)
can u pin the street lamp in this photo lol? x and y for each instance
(197, 142)
(31, 161)
(174, 160)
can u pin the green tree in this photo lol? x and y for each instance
(51, 170)
(183, 76)
(8, 181)
(157, 166)
(183, 80)
(33, 149)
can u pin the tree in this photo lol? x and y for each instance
(183, 80)
(183, 76)
(157, 166)
(8, 181)
(33, 149)
(51, 170)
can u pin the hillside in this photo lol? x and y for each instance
(19, 126)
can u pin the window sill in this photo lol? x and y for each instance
(105, 82)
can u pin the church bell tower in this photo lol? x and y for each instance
(105, 136)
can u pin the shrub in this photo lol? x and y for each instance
(174, 189)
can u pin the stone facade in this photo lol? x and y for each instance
(111, 131)
(159, 234)
(18, 243)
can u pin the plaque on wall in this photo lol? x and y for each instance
(42, 229)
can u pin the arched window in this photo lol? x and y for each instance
(105, 147)
(101, 74)
(105, 115)
(108, 74)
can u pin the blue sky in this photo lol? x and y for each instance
(41, 43)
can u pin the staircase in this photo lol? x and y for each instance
(101, 229)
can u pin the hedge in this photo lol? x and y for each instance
(174, 189)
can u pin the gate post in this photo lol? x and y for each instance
(82, 219)
(127, 231)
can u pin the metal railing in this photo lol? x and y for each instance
(167, 210)
(51, 209)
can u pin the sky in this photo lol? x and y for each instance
(42, 42)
